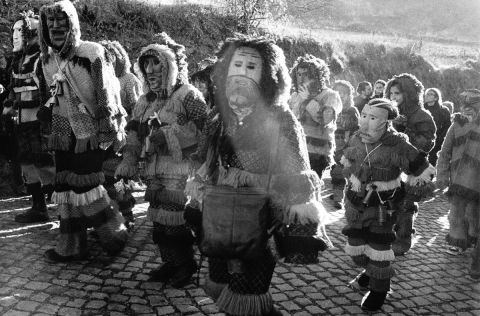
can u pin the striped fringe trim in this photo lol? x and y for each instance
(84, 144)
(57, 142)
(376, 255)
(165, 196)
(244, 304)
(310, 212)
(425, 177)
(125, 170)
(164, 217)
(82, 199)
(213, 289)
(77, 180)
(165, 165)
(380, 273)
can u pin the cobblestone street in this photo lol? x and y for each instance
(429, 281)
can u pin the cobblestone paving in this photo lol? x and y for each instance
(429, 281)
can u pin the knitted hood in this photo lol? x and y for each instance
(73, 37)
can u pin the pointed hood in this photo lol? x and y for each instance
(73, 37)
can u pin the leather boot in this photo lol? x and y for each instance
(38, 211)
(373, 301)
(162, 274)
(183, 274)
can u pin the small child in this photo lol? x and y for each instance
(458, 169)
(347, 124)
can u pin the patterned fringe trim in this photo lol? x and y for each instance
(57, 142)
(213, 289)
(376, 255)
(244, 304)
(165, 196)
(82, 145)
(70, 178)
(420, 191)
(379, 255)
(164, 217)
(425, 177)
(166, 165)
(194, 190)
(381, 185)
(172, 142)
(125, 170)
(70, 197)
(462, 243)
(380, 273)
(354, 250)
(310, 212)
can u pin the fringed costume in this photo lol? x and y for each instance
(162, 149)
(130, 91)
(418, 125)
(27, 95)
(87, 117)
(263, 150)
(376, 194)
(458, 169)
(316, 107)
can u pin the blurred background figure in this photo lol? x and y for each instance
(378, 89)
(364, 91)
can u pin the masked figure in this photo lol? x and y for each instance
(374, 160)
(407, 93)
(162, 137)
(257, 161)
(458, 169)
(25, 99)
(316, 107)
(87, 118)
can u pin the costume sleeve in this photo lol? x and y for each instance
(131, 153)
(196, 110)
(444, 157)
(132, 90)
(295, 197)
(110, 114)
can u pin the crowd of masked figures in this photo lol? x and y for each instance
(230, 157)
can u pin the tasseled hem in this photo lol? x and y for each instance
(76, 180)
(127, 171)
(354, 250)
(380, 273)
(194, 191)
(306, 213)
(213, 289)
(420, 191)
(166, 165)
(84, 144)
(57, 142)
(165, 196)
(80, 199)
(462, 243)
(164, 217)
(379, 255)
(244, 304)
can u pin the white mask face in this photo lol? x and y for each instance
(17, 37)
(156, 72)
(373, 123)
(243, 79)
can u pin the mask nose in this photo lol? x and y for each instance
(149, 68)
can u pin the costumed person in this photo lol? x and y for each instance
(441, 116)
(25, 99)
(364, 92)
(378, 89)
(458, 170)
(406, 91)
(203, 82)
(162, 137)
(87, 118)
(130, 91)
(374, 159)
(347, 124)
(316, 107)
(257, 167)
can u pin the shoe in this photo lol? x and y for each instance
(373, 301)
(183, 274)
(455, 251)
(162, 274)
(52, 256)
(32, 216)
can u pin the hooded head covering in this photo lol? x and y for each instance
(73, 37)
(412, 90)
(317, 69)
(122, 61)
(168, 51)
